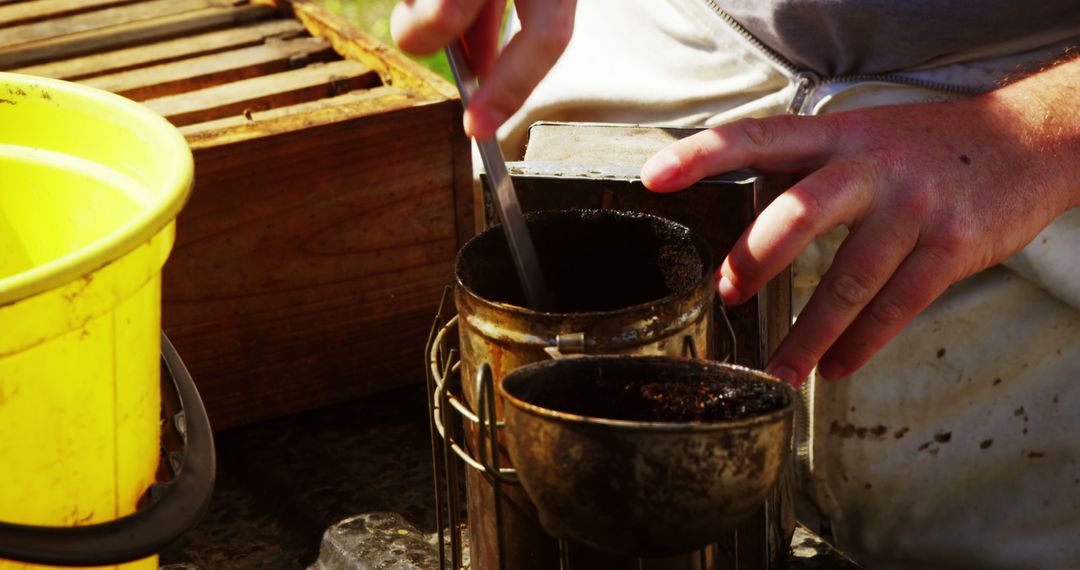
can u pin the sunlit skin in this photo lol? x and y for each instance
(426, 26)
(931, 193)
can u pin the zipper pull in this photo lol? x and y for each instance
(805, 83)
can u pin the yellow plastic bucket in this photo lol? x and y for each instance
(90, 186)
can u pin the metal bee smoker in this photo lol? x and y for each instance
(592, 166)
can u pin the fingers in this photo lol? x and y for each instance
(482, 37)
(837, 194)
(838, 191)
(779, 144)
(425, 26)
(920, 279)
(546, 27)
(864, 264)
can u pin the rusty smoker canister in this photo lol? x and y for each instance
(622, 282)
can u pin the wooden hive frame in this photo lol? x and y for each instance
(333, 186)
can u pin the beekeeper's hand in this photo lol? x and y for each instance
(931, 193)
(507, 78)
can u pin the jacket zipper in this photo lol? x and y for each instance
(807, 103)
(810, 88)
(807, 82)
(781, 62)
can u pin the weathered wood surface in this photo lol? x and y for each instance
(285, 119)
(12, 14)
(95, 40)
(216, 69)
(307, 265)
(158, 53)
(99, 19)
(333, 187)
(266, 92)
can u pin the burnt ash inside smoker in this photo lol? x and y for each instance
(693, 399)
(605, 260)
(651, 391)
(592, 260)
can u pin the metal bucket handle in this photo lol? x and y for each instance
(442, 364)
(175, 505)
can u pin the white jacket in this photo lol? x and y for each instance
(958, 445)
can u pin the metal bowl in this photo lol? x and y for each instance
(632, 487)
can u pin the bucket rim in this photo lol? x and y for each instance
(173, 191)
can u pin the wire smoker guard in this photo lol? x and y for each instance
(646, 455)
(461, 400)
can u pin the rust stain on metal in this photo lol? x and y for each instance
(638, 487)
(495, 329)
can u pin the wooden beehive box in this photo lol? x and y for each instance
(332, 191)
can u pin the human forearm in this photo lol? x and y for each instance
(1045, 117)
(932, 193)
